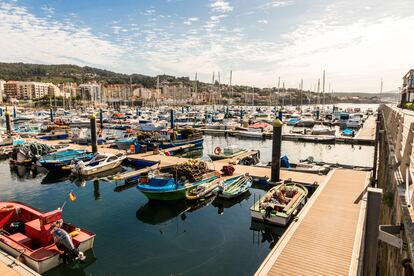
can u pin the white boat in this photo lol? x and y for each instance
(354, 122)
(100, 163)
(322, 130)
(153, 126)
(255, 131)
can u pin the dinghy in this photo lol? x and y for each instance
(235, 186)
(203, 190)
(61, 159)
(40, 240)
(280, 204)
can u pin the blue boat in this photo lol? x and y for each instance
(164, 187)
(54, 136)
(61, 159)
(348, 132)
(292, 122)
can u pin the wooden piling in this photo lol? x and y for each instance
(93, 134)
(276, 150)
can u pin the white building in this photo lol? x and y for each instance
(91, 91)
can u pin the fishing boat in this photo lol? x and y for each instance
(100, 163)
(28, 152)
(227, 152)
(306, 122)
(61, 159)
(235, 186)
(280, 204)
(41, 240)
(255, 131)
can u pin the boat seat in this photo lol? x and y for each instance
(292, 201)
(39, 236)
(45, 252)
(21, 238)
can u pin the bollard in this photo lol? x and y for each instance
(241, 115)
(172, 118)
(182, 109)
(137, 112)
(317, 114)
(276, 150)
(8, 125)
(93, 134)
(14, 112)
(51, 115)
(1, 112)
(101, 118)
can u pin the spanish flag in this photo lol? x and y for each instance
(72, 196)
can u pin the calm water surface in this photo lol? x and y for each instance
(137, 237)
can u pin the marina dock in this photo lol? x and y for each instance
(10, 267)
(326, 238)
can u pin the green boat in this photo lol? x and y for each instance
(229, 152)
(235, 186)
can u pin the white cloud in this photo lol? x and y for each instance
(262, 21)
(221, 6)
(190, 20)
(37, 40)
(276, 4)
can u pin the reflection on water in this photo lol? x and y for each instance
(265, 233)
(222, 203)
(75, 268)
(296, 151)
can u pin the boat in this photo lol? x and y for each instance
(54, 136)
(227, 152)
(255, 131)
(202, 190)
(41, 241)
(280, 204)
(62, 159)
(100, 163)
(28, 152)
(235, 186)
(322, 130)
(173, 182)
(306, 122)
(354, 122)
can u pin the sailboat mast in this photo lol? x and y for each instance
(231, 86)
(323, 90)
(278, 90)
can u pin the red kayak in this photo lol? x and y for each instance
(40, 240)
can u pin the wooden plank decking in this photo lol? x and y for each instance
(326, 238)
(367, 132)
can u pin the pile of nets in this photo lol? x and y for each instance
(192, 170)
(33, 149)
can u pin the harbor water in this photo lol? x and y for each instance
(138, 237)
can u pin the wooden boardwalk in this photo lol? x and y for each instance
(260, 172)
(326, 238)
(8, 267)
(367, 132)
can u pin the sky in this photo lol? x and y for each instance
(356, 42)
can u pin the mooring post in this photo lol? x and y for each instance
(101, 118)
(276, 150)
(280, 115)
(376, 141)
(14, 112)
(51, 114)
(241, 115)
(372, 222)
(93, 134)
(8, 125)
(172, 118)
(1, 112)
(317, 113)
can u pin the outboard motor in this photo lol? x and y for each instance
(64, 243)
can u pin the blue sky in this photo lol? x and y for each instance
(356, 42)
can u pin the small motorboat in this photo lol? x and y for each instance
(227, 152)
(322, 130)
(280, 204)
(235, 186)
(40, 240)
(100, 163)
(348, 132)
(62, 159)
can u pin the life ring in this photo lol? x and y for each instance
(6, 208)
(217, 151)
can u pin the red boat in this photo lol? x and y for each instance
(40, 240)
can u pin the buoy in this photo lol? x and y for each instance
(217, 151)
(132, 148)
